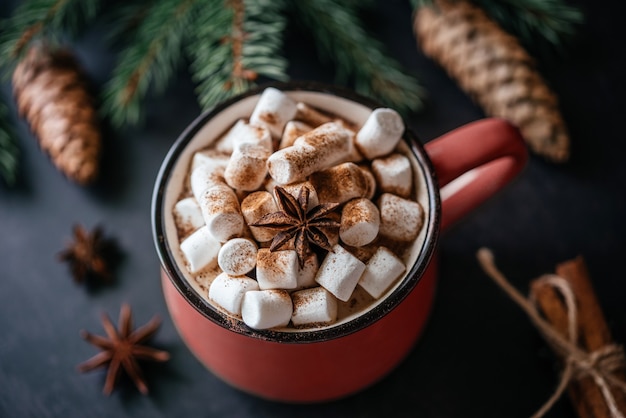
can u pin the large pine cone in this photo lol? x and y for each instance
(495, 70)
(52, 94)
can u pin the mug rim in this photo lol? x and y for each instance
(409, 281)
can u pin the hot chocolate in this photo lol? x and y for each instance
(293, 217)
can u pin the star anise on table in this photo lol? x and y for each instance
(90, 254)
(122, 349)
(295, 220)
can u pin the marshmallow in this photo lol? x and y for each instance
(294, 189)
(228, 291)
(263, 309)
(289, 164)
(187, 216)
(293, 129)
(306, 273)
(371, 181)
(400, 218)
(269, 184)
(354, 156)
(211, 157)
(247, 167)
(313, 306)
(310, 115)
(360, 220)
(380, 271)
(277, 269)
(199, 249)
(331, 134)
(243, 132)
(205, 176)
(237, 256)
(340, 183)
(340, 272)
(380, 133)
(393, 174)
(316, 150)
(221, 212)
(273, 110)
(254, 207)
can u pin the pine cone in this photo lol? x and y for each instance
(52, 95)
(492, 67)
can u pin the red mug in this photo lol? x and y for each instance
(474, 161)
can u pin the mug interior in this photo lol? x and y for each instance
(208, 127)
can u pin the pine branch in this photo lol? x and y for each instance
(149, 60)
(340, 37)
(122, 20)
(229, 47)
(9, 151)
(36, 19)
(541, 25)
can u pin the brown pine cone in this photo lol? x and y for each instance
(52, 94)
(495, 70)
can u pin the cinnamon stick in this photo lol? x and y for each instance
(593, 333)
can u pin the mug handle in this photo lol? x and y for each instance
(475, 161)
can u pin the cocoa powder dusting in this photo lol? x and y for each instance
(299, 300)
(322, 180)
(353, 214)
(271, 261)
(259, 131)
(300, 158)
(319, 138)
(244, 177)
(332, 183)
(269, 117)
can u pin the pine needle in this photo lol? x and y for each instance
(36, 19)
(123, 20)
(341, 37)
(148, 61)
(231, 46)
(9, 152)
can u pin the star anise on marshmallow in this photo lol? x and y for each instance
(295, 220)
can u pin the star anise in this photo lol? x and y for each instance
(294, 220)
(122, 349)
(90, 255)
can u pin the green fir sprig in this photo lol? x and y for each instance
(34, 20)
(149, 60)
(228, 45)
(340, 37)
(234, 45)
(9, 151)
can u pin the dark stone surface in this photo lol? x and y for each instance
(479, 357)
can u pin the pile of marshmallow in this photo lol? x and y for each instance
(289, 143)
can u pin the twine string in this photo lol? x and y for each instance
(579, 364)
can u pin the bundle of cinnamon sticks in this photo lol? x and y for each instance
(566, 311)
(593, 335)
